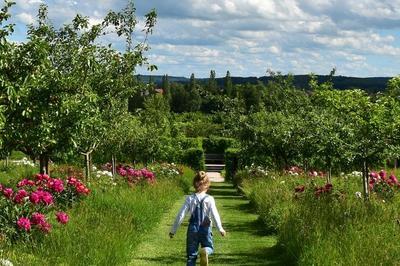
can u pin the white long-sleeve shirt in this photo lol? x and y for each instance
(210, 210)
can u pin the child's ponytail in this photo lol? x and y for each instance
(201, 181)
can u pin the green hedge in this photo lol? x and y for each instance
(215, 144)
(231, 162)
(187, 143)
(194, 157)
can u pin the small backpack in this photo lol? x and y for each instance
(196, 219)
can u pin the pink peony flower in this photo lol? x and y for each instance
(1, 187)
(21, 194)
(38, 218)
(22, 183)
(72, 180)
(24, 223)
(122, 172)
(8, 193)
(57, 185)
(62, 217)
(131, 172)
(46, 198)
(393, 178)
(35, 197)
(374, 175)
(81, 189)
(382, 174)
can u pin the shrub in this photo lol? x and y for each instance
(215, 144)
(26, 208)
(231, 162)
(194, 157)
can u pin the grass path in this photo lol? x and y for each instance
(245, 243)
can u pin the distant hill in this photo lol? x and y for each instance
(373, 84)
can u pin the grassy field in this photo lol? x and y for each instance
(246, 242)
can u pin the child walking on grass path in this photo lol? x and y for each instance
(202, 208)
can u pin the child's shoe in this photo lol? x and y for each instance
(203, 257)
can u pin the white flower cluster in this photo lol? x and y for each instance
(100, 173)
(4, 262)
(293, 173)
(24, 161)
(256, 170)
(352, 174)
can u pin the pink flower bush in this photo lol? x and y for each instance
(381, 177)
(24, 224)
(8, 193)
(62, 217)
(134, 176)
(36, 198)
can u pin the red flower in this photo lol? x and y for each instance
(38, 218)
(24, 223)
(57, 185)
(46, 198)
(393, 178)
(62, 217)
(21, 194)
(328, 187)
(35, 197)
(382, 174)
(8, 192)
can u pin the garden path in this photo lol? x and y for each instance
(245, 244)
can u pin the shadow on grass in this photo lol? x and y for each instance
(261, 256)
(246, 207)
(255, 227)
(264, 256)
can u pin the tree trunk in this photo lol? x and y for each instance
(87, 165)
(44, 164)
(330, 175)
(365, 180)
(113, 165)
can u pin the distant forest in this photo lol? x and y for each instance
(371, 85)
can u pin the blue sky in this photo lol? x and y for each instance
(247, 37)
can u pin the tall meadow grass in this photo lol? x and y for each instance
(336, 228)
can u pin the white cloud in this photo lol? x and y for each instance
(249, 36)
(25, 18)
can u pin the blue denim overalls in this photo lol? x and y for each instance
(199, 232)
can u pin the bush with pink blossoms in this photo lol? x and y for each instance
(135, 176)
(384, 186)
(25, 208)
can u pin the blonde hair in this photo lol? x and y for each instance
(201, 181)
